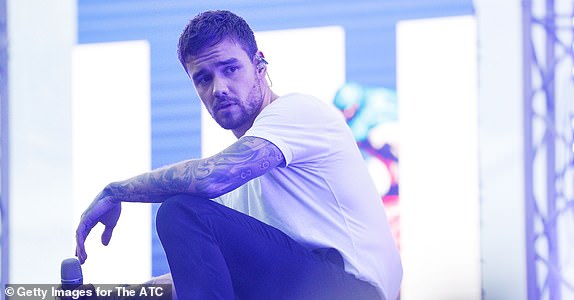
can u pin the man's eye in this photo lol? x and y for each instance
(203, 80)
(231, 69)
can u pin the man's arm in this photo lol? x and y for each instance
(210, 177)
(244, 160)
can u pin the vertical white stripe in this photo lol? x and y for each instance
(41, 33)
(111, 140)
(437, 93)
(501, 133)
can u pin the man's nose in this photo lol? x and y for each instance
(220, 87)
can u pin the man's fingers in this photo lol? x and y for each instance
(81, 252)
(80, 249)
(110, 220)
(103, 211)
(81, 234)
(107, 234)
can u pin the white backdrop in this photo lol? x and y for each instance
(111, 142)
(437, 93)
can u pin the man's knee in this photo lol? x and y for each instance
(175, 210)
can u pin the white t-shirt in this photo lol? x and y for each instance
(324, 195)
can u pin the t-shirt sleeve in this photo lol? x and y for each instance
(302, 127)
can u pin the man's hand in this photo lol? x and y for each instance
(104, 209)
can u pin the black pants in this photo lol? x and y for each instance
(215, 252)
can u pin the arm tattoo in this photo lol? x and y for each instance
(210, 177)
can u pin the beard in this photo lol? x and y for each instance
(231, 113)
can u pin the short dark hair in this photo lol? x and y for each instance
(211, 27)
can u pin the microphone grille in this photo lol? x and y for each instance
(71, 270)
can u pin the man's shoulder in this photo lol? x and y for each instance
(302, 103)
(298, 97)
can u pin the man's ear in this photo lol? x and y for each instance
(260, 63)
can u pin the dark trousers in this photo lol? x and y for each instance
(215, 252)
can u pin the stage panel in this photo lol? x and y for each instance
(111, 142)
(437, 94)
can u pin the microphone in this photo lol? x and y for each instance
(71, 273)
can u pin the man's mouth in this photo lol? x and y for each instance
(224, 105)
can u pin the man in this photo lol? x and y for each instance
(286, 212)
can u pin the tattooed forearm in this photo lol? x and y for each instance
(244, 160)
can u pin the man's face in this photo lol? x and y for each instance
(226, 80)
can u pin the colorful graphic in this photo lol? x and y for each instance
(372, 115)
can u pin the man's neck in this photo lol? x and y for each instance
(268, 97)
